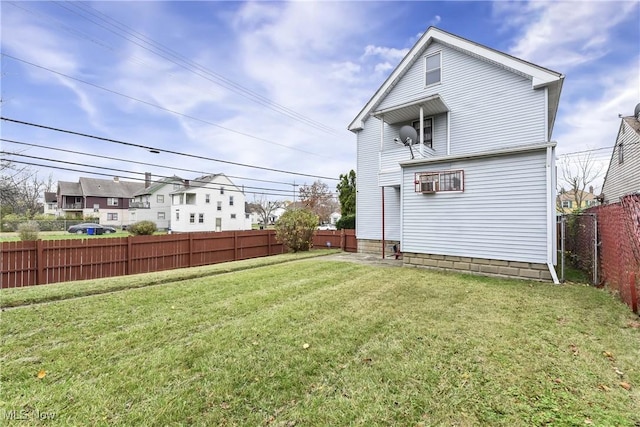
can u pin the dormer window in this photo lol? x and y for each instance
(427, 131)
(433, 68)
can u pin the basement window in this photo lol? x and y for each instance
(439, 182)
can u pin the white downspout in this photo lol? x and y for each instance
(550, 214)
(421, 137)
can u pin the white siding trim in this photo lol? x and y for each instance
(546, 114)
(448, 133)
(551, 217)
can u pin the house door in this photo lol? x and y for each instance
(218, 224)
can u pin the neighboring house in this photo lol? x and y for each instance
(208, 203)
(479, 193)
(566, 201)
(334, 218)
(623, 175)
(105, 199)
(153, 203)
(51, 203)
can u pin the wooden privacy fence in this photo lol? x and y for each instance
(50, 261)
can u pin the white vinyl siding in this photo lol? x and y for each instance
(623, 178)
(491, 107)
(368, 196)
(500, 215)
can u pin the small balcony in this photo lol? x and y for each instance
(72, 206)
(139, 205)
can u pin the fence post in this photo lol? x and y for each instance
(39, 262)
(268, 243)
(342, 241)
(190, 249)
(129, 264)
(633, 293)
(235, 245)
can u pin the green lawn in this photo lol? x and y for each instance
(323, 343)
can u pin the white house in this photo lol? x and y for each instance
(208, 203)
(623, 174)
(476, 191)
(153, 203)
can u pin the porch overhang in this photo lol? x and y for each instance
(408, 111)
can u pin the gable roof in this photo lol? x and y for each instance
(66, 188)
(634, 124)
(205, 181)
(157, 185)
(50, 197)
(540, 77)
(109, 187)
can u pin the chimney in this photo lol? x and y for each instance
(116, 179)
(147, 179)
(186, 183)
(591, 189)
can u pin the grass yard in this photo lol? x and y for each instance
(324, 343)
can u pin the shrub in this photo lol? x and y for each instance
(28, 230)
(142, 228)
(295, 229)
(346, 221)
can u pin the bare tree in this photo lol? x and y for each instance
(578, 173)
(264, 207)
(21, 189)
(319, 200)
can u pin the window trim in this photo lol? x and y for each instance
(621, 153)
(417, 122)
(421, 181)
(159, 198)
(426, 70)
(112, 201)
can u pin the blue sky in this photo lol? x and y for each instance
(275, 84)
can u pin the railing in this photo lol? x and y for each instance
(139, 205)
(49, 261)
(72, 206)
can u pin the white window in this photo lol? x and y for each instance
(230, 200)
(177, 216)
(160, 198)
(219, 207)
(436, 182)
(621, 153)
(192, 218)
(207, 198)
(233, 216)
(221, 190)
(96, 207)
(567, 204)
(160, 215)
(427, 131)
(201, 218)
(433, 69)
(112, 201)
(112, 217)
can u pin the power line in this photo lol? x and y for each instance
(120, 170)
(190, 65)
(137, 162)
(154, 149)
(133, 178)
(159, 106)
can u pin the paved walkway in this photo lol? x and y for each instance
(366, 259)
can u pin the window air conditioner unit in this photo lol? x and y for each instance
(428, 187)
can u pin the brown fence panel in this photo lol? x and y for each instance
(18, 265)
(51, 261)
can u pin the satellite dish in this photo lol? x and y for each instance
(408, 135)
(636, 112)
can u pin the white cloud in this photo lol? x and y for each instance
(385, 53)
(436, 20)
(563, 35)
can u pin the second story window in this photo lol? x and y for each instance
(112, 201)
(221, 190)
(201, 218)
(567, 204)
(160, 198)
(433, 69)
(230, 200)
(192, 218)
(620, 153)
(207, 198)
(219, 207)
(427, 131)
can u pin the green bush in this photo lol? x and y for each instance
(346, 221)
(28, 230)
(142, 228)
(295, 229)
